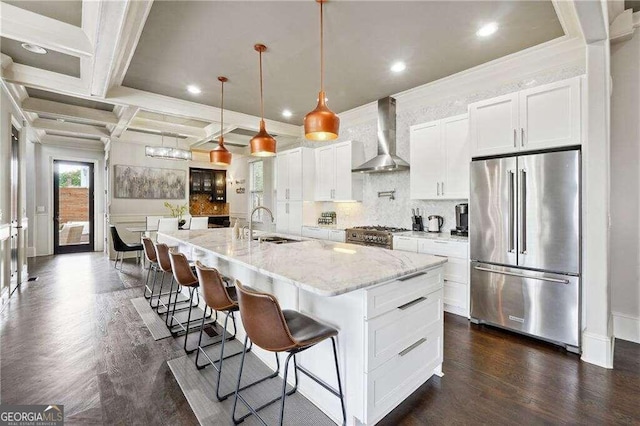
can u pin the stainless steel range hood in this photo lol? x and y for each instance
(386, 160)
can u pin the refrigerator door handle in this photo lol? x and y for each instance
(513, 274)
(512, 211)
(523, 211)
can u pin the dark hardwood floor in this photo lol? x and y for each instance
(74, 338)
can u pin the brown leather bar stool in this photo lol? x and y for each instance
(275, 330)
(183, 275)
(220, 298)
(164, 265)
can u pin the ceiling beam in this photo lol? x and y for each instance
(29, 27)
(180, 108)
(43, 79)
(213, 131)
(60, 110)
(118, 28)
(125, 115)
(71, 142)
(566, 12)
(165, 127)
(135, 18)
(70, 129)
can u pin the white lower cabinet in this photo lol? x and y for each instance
(318, 233)
(456, 270)
(405, 244)
(404, 340)
(337, 235)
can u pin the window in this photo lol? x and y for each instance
(256, 187)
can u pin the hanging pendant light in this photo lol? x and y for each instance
(220, 155)
(262, 144)
(321, 124)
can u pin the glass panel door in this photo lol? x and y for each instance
(73, 207)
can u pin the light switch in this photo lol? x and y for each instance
(40, 209)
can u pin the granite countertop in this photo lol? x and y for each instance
(325, 268)
(442, 236)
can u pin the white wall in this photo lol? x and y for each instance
(625, 188)
(43, 158)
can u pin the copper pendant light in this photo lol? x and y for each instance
(262, 144)
(321, 124)
(220, 156)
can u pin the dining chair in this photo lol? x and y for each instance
(199, 223)
(168, 224)
(152, 222)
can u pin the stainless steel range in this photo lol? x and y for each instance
(377, 236)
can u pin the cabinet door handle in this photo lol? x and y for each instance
(438, 189)
(522, 136)
(413, 302)
(515, 136)
(442, 188)
(412, 347)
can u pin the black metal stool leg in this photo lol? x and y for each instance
(146, 285)
(335, 357)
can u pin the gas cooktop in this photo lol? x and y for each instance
(378, 236)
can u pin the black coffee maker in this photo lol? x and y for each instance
(462, 221)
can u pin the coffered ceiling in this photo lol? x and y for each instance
(120, 69)
(186, 43)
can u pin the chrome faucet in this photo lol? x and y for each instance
(251, 219)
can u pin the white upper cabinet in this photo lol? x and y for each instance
(325, 173)
(426, 166)
(543, 117)
(550, 115)
(440, 159)
(493, 126)
(334, 179)
(295, 175)
(455, 143)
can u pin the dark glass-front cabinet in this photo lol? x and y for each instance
(208, 181)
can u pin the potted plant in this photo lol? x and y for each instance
(177, 211)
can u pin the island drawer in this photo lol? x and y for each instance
(444, 248)
(392, 333)
(401, 292)
(392, 382)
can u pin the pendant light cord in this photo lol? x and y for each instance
(321, 47)
(261, 94)
(221, 114)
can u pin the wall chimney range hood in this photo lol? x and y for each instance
(386, 160)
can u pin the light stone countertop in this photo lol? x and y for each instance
(442, 236)
(325, 268)
(330, 227)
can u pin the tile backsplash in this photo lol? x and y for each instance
(201, 205)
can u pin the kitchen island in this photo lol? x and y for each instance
(387, 306)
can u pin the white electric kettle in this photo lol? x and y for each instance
(434, 223)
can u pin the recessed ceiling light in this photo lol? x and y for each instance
(487, 30)
(34, 48)
(194, 89)
(286, 113)
(398, 67)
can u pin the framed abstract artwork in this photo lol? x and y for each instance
(149, 183)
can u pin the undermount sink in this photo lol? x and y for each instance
(277, 240)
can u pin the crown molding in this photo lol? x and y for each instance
(547, 57)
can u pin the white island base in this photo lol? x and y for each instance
(389, 341)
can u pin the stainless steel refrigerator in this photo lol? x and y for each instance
(525, 231)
